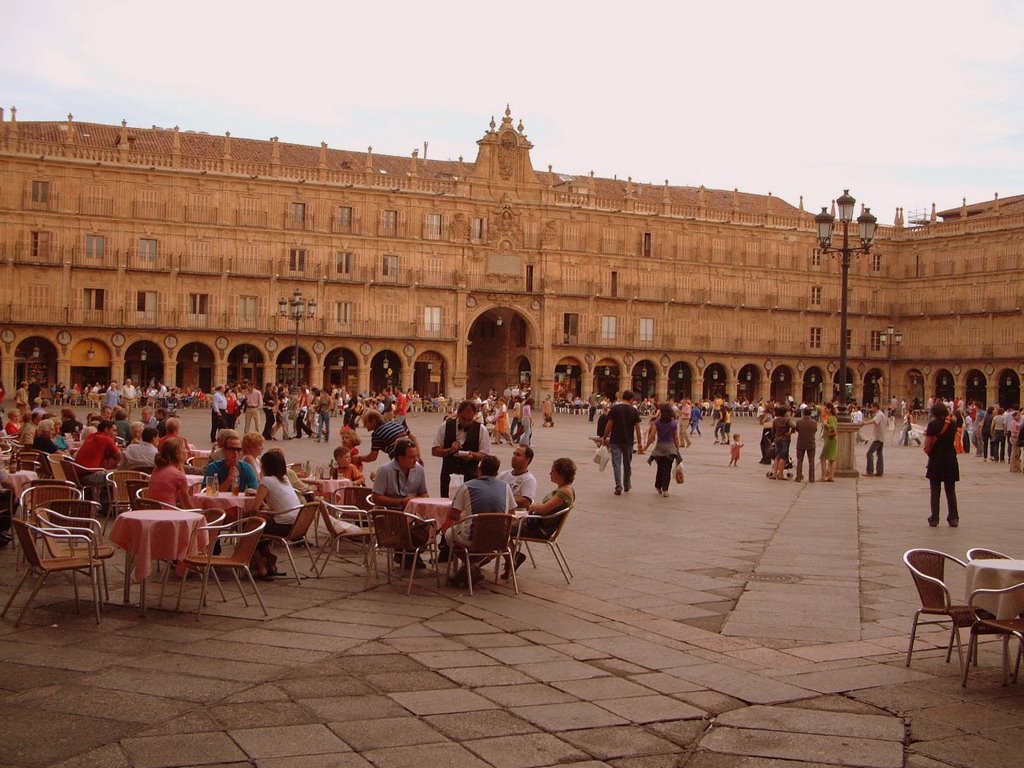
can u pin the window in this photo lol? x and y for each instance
(529, 278)
(343, 312)
(388, 313)
(646, 330)
(41, 192)
(815, 295)
(248, 306)
(94, 298)
(476, 230)
(343, 261)
(40, 245)
(849, 338)
(876, 262)
(876, 341)
(647, 244)
(432, 319)
(614, 284)
(389, 266)
(570, 327)
(815, 338)
(95, 246)
(609, 325)
(146, 302)
(297, 260)
(344, 220)
(297, 213)
(148, 249)
(199, 303)
(816, 257)
(432, 230)
(389, 223)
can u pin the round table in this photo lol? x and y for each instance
(233, 506)
(21, 480)
(431, 508)
(996, 574)
(325, 488)
(157, 534)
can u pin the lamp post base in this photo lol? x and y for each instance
(845, 466)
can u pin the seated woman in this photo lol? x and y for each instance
(13, 426)
(168, 483)
(281, 504)
(563, 473)
(69, 424)
(43, 441)
(252, 449)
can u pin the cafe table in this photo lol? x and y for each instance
(431, 508)
(325, 488)
(234, 506)
(21, 480)
(996, 574)
(147, 535)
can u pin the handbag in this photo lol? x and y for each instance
(602, 456)
(931, 440)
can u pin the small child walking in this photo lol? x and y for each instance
(734, 451)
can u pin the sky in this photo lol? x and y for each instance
(904, 103)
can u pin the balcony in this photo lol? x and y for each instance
(96, 206)
(250, 218)
(92, 260)
(47, 202)
(200, 265)
(201, 214)
(146, 209)
(137, 261)
(46, 254)
(298, 223)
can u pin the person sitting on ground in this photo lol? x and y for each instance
(279, 505)
(141, 454)
(169, 483)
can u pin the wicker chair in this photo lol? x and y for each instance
(490, 537)
(1007, 628)
(84, 525)
(136, 490)
(927, 568)
(345, 524)
(524, 538)
(245, 535)
(392, 533)
(353, 496)
(45, 565)
(980, 553)
(307, 513)
(121, 498)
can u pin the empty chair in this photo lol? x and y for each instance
(353, 496)
(121, 500)
(985, 623)
(84, 525)
(980, 553)
(490, 537)
(42, 493)
(242, 537)
(83, 562)
(927, 568)
(136, 489)
(345, 523)
(199, 462)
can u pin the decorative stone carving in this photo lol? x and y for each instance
(458, 229)
(506, 224)
(549, 237)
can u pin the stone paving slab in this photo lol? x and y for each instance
(829, 750)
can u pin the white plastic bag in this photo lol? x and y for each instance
(602, 456)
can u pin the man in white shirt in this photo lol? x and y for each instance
(253, 408)
(879, 423)
(519, 478)
(218, 412)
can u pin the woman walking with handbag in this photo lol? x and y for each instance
(943, 469)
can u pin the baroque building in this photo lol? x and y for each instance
(162, 254)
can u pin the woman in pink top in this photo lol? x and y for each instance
(168, 483)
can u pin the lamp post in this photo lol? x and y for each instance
(866, 230)
(890, 338)
(296, 309)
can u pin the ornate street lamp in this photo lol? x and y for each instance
(890, 338)
(866, 230)
(297, 309)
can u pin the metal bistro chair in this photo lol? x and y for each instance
(986, 624)
(244, 535)
(305, 517)
(392, 533)
(345, 523)
(121, 498)
(980, 553)
(50, 519)
(523, 537)
(490, 536)
(927, 568)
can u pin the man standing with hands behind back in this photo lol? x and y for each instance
(622, 428)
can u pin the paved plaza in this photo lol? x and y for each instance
(738, 622)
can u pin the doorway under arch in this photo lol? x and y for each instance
(497, 344)
(680, 382)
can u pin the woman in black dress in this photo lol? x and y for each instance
(943, 469)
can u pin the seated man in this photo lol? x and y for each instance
(520, 479)
(484, 493)
(400, 480)
(99, 454)
(230, 469)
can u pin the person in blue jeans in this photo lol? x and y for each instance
(620, 433)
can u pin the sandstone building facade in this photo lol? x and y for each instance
(162, 254)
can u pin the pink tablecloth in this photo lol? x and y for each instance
(231, 504)
(436, 509)
(21, 479)
(156, 535)
(198, 452)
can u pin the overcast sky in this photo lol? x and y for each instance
(906, 103)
